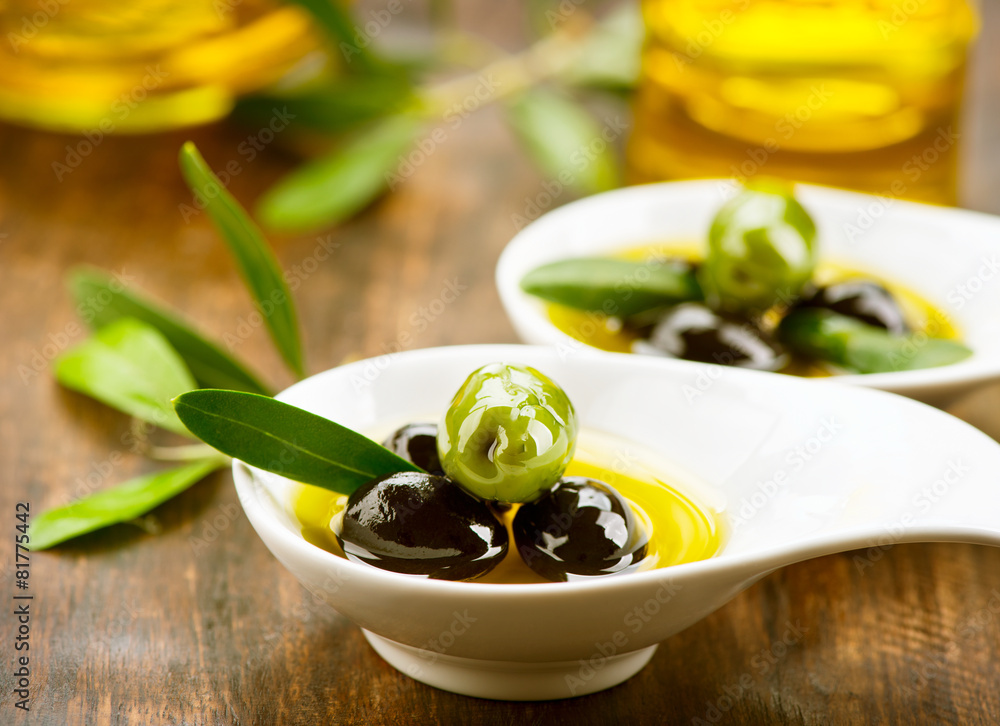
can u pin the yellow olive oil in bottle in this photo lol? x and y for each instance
(113, 66)
(862, 94)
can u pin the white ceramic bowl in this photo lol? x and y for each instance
(949, 256)
(799, 470)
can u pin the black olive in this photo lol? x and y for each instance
(417, 443)
(580, 528)
(693, 331)
(420, 524)
(864, 300)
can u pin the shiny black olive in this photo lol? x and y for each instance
(864, 300)
(580, 528)
(420, 524)
(693, 331)
(417, 443)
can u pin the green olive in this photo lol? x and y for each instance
(508, 435)
(760, 250)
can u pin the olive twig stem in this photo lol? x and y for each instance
(189, 452)
(467, 50)
(513, 74)
(442, 13)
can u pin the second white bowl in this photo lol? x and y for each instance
(949, 256)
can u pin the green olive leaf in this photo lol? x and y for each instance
(334, 187)
(102, 299)
(286, 440)
(863, 348)
(254, 257)
(565, 140)
(332, 107)
(610, 57)
(130, 366)
(336, 20)
(120, 503)
(612, 286)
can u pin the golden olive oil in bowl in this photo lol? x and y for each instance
(607, 333)
(679, 527)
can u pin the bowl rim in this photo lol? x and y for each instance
(977, 368)
(760, 561)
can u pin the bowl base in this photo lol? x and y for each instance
(506, 680)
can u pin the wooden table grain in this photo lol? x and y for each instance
(188, 619)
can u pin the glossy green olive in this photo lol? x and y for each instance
(508, 435)
(761, 250)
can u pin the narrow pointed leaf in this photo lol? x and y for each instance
(565, 140)
(331, 107)
(613, 286)
(863, 348)
(256, 261)
(610, 57)
(336, 20)
(286, 440)
(130, 366)
(120, 503)
(335, 187)
(102, 299)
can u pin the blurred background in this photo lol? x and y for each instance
(390, 149)
(416, 137)
(887, 96)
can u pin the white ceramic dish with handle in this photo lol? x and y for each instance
(797, 470)
(950, 257)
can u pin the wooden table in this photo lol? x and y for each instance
(129, 627)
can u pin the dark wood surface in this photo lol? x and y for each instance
(143, 626)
